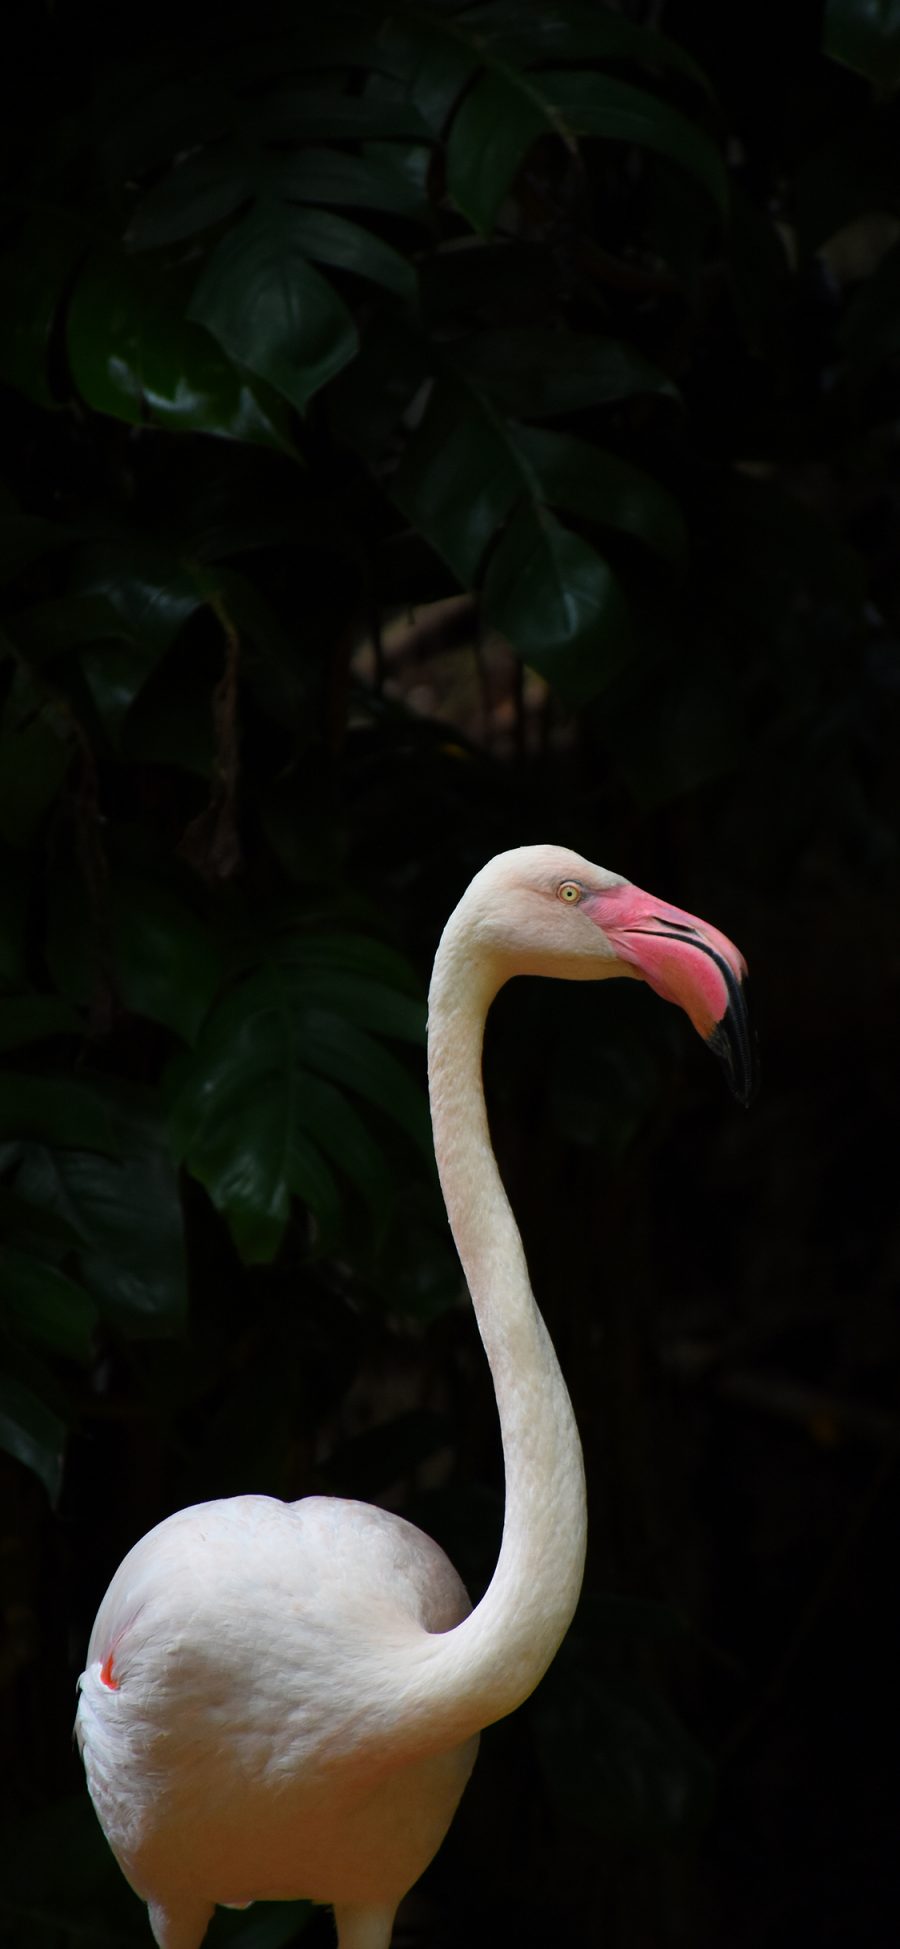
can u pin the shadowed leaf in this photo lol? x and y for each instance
(261, 299)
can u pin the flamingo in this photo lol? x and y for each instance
(285, 1699)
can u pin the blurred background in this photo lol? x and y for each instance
(428, 429)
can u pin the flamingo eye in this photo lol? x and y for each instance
(570, 892)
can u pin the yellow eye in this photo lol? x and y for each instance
(570, 891)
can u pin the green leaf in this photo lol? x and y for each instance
(262, 301)
(163, 961)
(597, 105)
(865, 35)
(507, 109)
(166, 961)
(348, 1055)
(270, 1090)
(370, 1004)
(248, 1176)
(354, 954)
(329, 1117)
(368, 182)
(331, 239)
(134, 354)
(32, 1433)
(601, 487)
(545, 589)
(127, 1213)
(492, 132)
(148, 595)
(558, 604)
(575, 32)
(201, 189)
(459, 477)
(431, 60)
(40, 1302)
(536, 373)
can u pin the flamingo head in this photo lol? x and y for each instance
(545, 910)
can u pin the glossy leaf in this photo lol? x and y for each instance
(492, 132)
(545, 589)
(432, 62)
(331, 239)
(865, 35)
(263, 1104)
(261, 299)
(598, 105)
(247, 1164)
(163, 962)
(166, 960)
(558, 603)
(601, 487)
(333, 1124)
(459, 477)
(367, 182)
(576, 32)
(127, 1212)
(201, 189)
(377, 967)
(148, 594)
(32, 1433)
(135, 355)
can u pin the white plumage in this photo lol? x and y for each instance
(284, 1700)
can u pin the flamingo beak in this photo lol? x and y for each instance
(685, 961)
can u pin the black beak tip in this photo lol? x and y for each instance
(733, 1040)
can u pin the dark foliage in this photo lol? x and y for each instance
(430, 428)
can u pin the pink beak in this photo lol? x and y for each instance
(687, 962)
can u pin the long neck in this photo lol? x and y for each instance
(493, 1660)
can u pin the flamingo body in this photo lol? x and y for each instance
(284, 1700)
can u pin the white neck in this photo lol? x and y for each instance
(492, 1661)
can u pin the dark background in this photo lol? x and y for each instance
(398, 464)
